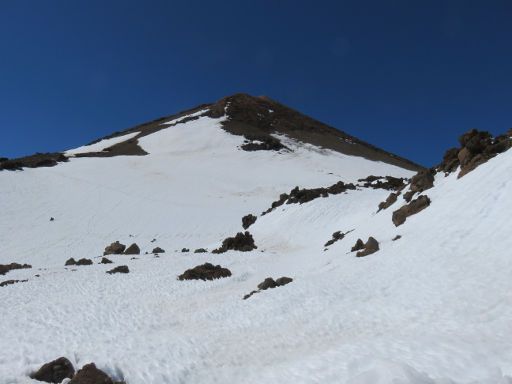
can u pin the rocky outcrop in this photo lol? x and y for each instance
(248, 220)
(390, 200)
(119, 269)
(415, 206)
(270, 283)
(33, 161)
(206, 271)
(132, 250)
(243, 242)
(262, 143)
(389, 183)
(55, 371)
(371, 246)
(303, 195)
(476, 148)
(4, 268)
(116, 248)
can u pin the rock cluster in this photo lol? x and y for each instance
(365, 249)
(243, 242)
(206, 271)
(270, 283)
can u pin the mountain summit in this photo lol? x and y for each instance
(253, 244)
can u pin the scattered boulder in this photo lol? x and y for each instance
(132, 250)
(119, 269)
(390, 200)
(89, 374)
(206, 271)
(158, 250)
(358, 245)
(70, 261)
(9, 282)
(248, 220)
(184, 250)
(415, 206)
(115, 248)
(243, 242)
(52, 219)
(270, 283)
(55, 371)
(104, 260)
(396, 238)
(4, 268)
(263, 143)
(370, 247)
(336, 236)
(200, 250)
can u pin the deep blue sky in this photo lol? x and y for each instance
(408, 76)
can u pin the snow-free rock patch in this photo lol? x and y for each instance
(4, 268)
(270, 283)
(206, 271)
(415, 206)
(119, 269)
(243, 242)
(55, 371)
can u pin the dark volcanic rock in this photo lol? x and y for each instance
(476, 148)
(270, 283)
(243, 242)
(300, 196)
(4, 268)
(206, 271)
(415, 206)
(115, 248)
(70, 261)
(370, 247)
(104, 260)
(9, 282)
(262, 143)
(184, 250)
(132, 250)
(336, 236)
(358, 245)
(158, 250)
(33, 161)
(200, 250)
(248, 220)
(390, 200)
(389, 183)
(89, 374)
(397, 237)
(84, 262)
(55, 371)
(119, 269)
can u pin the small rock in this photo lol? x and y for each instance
(158, 250)
(132, 250)
(70, 261)
(84, 262)
(391, 199)
(104, 260)
(184, 250)
(119, 269)
(283, 281)
(89, 374)
(248, 220)
(267, 283)
(9, 282)
(396, 238)
(243, 242)
(52, 219)
(55, 371)
(200, 250)
(415, 206)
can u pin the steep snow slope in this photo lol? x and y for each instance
(431, 307)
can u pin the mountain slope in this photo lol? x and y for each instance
(430, 307)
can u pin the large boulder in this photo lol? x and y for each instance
(55, 371)
(116, 248)
(158, 250)
(132, 250)
(206, 271)
(390, 200)
(415, 206)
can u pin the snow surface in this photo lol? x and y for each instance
(177, 120)
(101, 145)
(432, 307)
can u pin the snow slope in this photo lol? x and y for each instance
(432, 307)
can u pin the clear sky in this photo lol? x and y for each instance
(408, 76)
